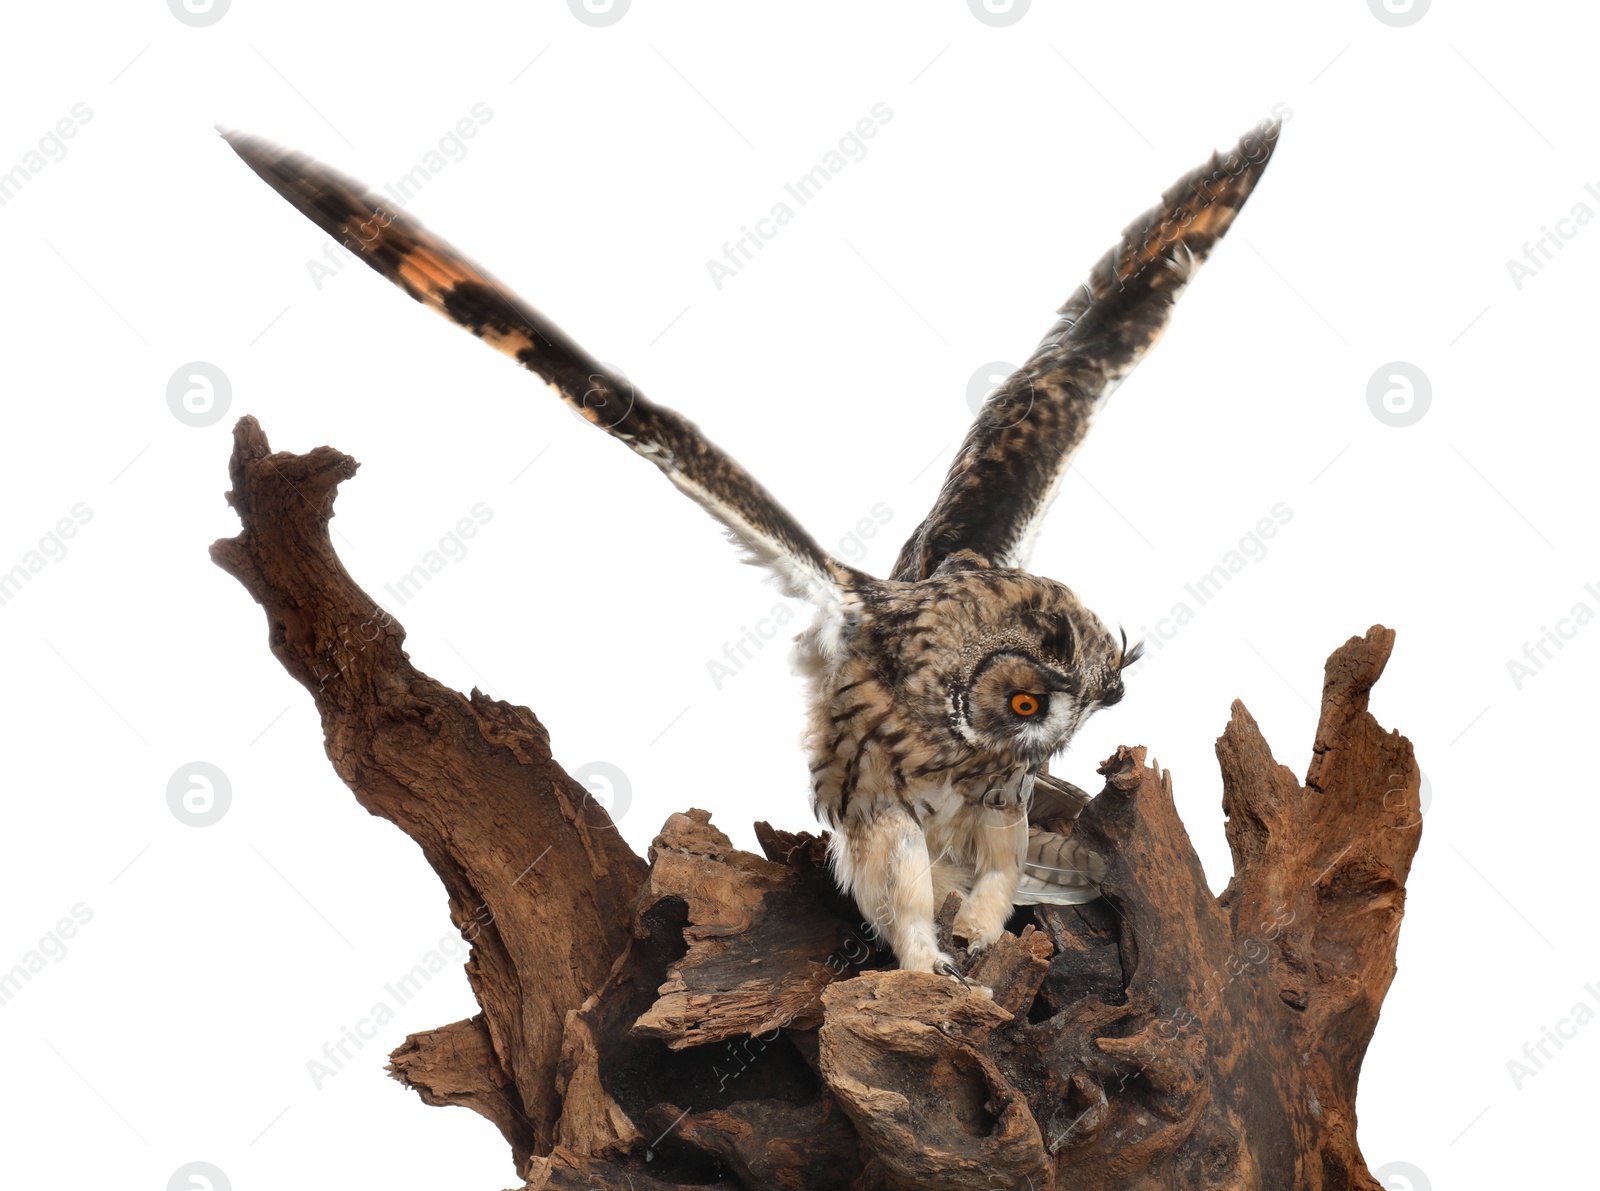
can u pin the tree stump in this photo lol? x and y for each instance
(707, 1017)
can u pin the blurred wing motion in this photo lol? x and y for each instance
(438, 276)
(1008, 469)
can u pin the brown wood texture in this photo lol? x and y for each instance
(708, 1017)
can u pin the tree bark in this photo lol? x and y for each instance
(709, 1017)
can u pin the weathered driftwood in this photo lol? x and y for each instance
(711, 1017)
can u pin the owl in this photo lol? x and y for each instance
(937, 696)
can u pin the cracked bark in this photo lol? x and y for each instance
(709, 1017)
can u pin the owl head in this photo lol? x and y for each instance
(1031, 665)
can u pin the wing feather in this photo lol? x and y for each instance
(1055, 800)
(440, 277)
(1013, 459)
(1058, 870)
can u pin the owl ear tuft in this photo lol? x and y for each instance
(1129, 656)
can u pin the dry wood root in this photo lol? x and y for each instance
(710, 1017)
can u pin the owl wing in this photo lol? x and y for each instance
(1055, 800)
(1008, 469)
(440, 277)
(1058, 870)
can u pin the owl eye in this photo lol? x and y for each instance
(1025, 704)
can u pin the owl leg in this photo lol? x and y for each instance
(1000, 842)
(883, 862)
(949, 877)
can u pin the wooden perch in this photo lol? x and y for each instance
(716, 1018)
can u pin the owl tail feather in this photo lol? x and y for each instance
(445, 280)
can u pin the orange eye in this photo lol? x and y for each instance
(1024, 704)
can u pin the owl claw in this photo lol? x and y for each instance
(978, 937)
(947, 967)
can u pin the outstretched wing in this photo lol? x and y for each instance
(1007, 471)
(438, 276)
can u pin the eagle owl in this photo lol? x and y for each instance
(937, 695)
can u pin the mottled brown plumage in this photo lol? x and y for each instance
(1006, 472)
(936, 696)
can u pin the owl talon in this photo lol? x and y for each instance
(980, 935)
(947, 967)
(994, 668)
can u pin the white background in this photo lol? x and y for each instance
(1415, 161)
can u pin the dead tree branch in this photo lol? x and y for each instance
(710, 1017)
